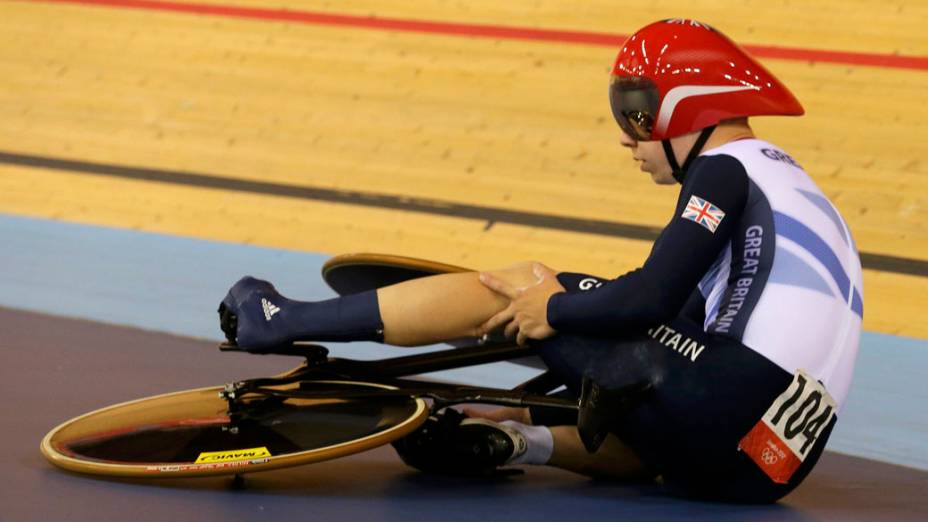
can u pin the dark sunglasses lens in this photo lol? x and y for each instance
(641, 122)
(634, 101)
(625, 125)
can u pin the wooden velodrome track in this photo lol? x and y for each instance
(338, 134)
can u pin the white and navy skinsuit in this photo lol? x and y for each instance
(755, 277)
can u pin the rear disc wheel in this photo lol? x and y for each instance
(189, 433)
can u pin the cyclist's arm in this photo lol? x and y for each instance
(682, 254)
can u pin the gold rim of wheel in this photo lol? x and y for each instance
(113, 418)
(369, 259)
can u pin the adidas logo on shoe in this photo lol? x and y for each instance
(269, 308)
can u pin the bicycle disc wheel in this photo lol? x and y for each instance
(190, 433)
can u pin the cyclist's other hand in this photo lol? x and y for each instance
(526, 317)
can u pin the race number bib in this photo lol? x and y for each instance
(780, 442)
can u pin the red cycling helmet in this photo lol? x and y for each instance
(674, 77)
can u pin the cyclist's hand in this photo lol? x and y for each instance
(526, 317)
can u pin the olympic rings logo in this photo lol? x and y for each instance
(769, 457)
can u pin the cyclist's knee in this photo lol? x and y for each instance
(519, 274)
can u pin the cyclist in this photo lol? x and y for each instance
(744, 319)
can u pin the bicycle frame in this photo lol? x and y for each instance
(596, 408)
(391, 371)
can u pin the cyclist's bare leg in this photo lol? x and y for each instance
(442, 307)
(613, 460)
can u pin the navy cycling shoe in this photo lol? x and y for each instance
(253, 315)
(257, 317)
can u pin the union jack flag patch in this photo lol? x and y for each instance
(704, 213)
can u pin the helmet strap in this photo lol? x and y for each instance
(678, 171)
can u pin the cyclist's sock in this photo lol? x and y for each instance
(354, 317)
(539, 443)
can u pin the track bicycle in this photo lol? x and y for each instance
(325, 408)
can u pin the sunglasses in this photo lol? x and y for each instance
(634, 102)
